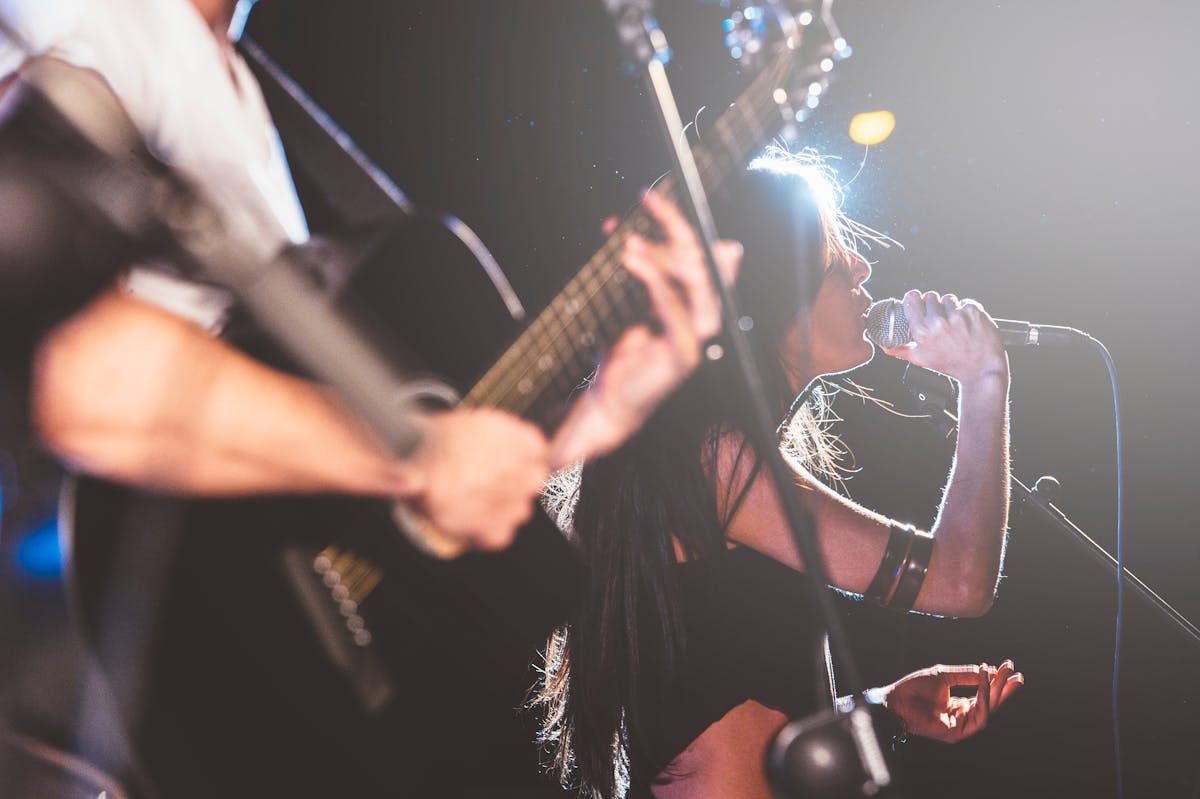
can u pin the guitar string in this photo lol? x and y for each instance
(538, 331)
(583, 289)
(588, 288)
(595, 289)
(597, 277)
(591, 284)
(541, 336)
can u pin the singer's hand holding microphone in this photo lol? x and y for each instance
(941, 332)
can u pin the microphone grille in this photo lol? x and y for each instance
(887, 325)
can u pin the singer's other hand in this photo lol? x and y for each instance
(924, 702)
(952, 336)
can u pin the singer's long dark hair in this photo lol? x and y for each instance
(602, 689)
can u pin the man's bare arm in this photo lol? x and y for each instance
(129, 392)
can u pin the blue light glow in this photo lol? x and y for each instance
(39, 554)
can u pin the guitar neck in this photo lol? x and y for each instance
(553, 357)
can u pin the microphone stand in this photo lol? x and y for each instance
(1039, 502)
(645, 45)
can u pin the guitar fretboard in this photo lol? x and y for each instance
(552, 358)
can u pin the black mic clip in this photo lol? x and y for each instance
(934, 394)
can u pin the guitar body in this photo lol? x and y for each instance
(301, 645)
(430, 298)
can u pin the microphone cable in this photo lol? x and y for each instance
(1116, 672)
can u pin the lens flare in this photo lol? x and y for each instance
(872, 127)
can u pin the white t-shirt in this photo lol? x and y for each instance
(200, 110)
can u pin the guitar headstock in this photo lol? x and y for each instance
(756, 32)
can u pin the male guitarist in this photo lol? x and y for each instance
(137, 388)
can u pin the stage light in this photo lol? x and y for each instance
(872, 127)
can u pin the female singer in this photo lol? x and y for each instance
(698, 637)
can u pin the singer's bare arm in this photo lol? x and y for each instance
(960, 340)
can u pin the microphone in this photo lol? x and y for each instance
(887, 326)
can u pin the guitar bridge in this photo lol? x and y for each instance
(331, 586)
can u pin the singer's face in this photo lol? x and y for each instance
(838, 318)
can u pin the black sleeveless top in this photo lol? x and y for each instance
(753, 631)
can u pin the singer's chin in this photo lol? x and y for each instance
(867, 350)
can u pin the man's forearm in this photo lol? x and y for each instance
(129, 392)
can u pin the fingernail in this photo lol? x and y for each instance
(1008, 664)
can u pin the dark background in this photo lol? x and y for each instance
(1042, 162)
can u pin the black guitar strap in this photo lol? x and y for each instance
(355, 188)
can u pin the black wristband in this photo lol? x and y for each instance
(884, 581)
(912, 576)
